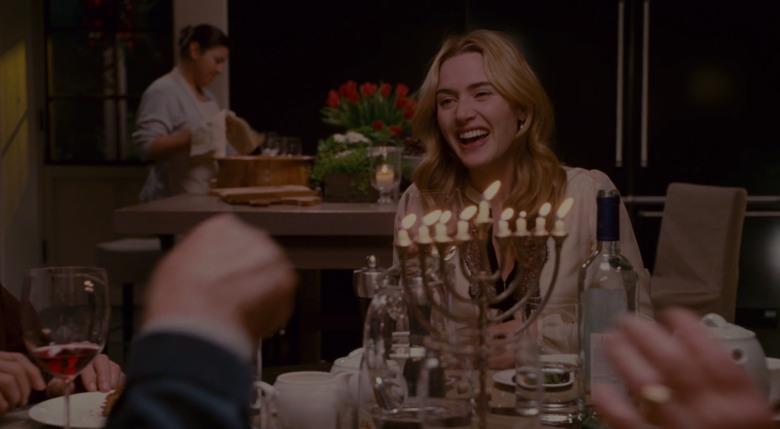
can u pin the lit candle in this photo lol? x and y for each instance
(463, 231)
(468, 213)
(521, 226)
(385, 176)
(483, 216)
(445, 217)
(503, 224)
(541, 221)
(559, 229)
(403, 239)
(563, 210)
(431, 218)
(441, 233)
(408, 221)
(491, 190)
(424, 235)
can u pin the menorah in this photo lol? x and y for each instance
(473, 236)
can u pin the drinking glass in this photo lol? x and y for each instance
(555, 333)
(65, 316)
(273, 145)
(293, 146)
(385, 171)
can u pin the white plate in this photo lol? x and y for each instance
(86, 411)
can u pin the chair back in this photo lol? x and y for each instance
(697, 259)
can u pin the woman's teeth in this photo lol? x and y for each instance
(472, 135)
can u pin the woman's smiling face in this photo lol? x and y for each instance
(478, 123)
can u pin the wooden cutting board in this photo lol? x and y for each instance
(260, 194)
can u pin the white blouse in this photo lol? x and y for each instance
(167, 106)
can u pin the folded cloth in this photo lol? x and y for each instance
(241, 136)
(210, 138)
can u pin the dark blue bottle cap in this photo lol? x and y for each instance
(608, 215)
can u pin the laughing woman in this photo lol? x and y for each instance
(484, 116)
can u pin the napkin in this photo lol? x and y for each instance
(210, 138)
(241, 135)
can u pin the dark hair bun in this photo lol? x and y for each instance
(207, 36)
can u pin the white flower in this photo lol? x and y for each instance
(355, 137)
(339, 138)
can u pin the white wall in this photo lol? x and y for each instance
(214, 12)
(20, 137)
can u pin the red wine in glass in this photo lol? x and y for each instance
(65, 360)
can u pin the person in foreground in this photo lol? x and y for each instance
(211, 299)
(21, 382)
(685, 379)
(484, 116)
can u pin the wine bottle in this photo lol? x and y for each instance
(607, 288)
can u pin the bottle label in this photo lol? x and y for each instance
(601, 371)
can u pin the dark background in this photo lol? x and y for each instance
(713, 91)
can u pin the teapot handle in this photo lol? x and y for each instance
(714, 320)
(267, 404)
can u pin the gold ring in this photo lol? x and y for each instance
(656, 393)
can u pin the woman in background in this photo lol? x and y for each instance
(173, 107)
(484, 116)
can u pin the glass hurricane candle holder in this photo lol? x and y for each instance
(385, 172)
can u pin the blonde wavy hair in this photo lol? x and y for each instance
(539, 176)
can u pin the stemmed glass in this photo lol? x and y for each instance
(65, 316)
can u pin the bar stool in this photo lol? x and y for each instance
(128, 261)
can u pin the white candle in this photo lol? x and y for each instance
(484, 212)
(403, 239)
(463, 231)
(491, 190)
(441, 233)
(385, 177)
(563, 210)
(541, 222)
(431, 218)
(445, 217)
(503, 229)
(521, 225)
(468, 213)
(424, 235)
(559, 229)
(503, 224)
(408, 221)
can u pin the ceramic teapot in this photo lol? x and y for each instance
(744, 348)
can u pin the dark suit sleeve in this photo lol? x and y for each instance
(176, 381)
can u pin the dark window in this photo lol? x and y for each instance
(100, 56)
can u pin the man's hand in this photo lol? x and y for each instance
(18, 376)
(226, 272)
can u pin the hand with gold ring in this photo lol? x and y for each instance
(682, 378)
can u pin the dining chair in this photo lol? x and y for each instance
(697, 258)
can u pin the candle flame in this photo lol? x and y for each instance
(545, 209)
(491, 190)
(408, 221)
(522, 213)
(507, 213)
(468, 212)
(563, 210)
(445, 217)
(431, 217)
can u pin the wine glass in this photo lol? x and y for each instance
(65, 316)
